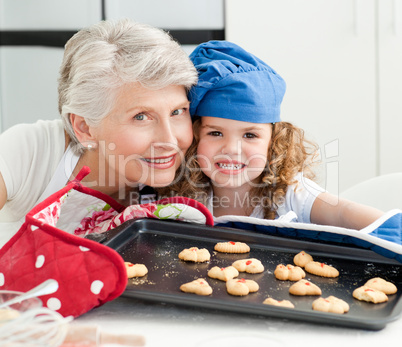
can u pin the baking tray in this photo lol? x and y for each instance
(157, 244)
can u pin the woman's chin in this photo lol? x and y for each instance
(160, 181)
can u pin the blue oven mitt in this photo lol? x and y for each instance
(384, 236)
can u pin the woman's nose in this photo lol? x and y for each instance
(165, 135)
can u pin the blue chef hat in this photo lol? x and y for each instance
(235, 84)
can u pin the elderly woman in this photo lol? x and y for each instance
(125, 114)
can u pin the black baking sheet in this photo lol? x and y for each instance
(157, 244)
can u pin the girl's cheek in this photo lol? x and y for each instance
(204, 160)
(257, 160)
(205, 164)
(201, 149)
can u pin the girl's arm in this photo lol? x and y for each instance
(329, 209)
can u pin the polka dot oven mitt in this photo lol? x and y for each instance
(176, 208)
(88, 273)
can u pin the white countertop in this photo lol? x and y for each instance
(165, 325)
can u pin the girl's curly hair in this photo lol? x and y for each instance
(289, 153)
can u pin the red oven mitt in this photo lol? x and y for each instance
(88, 273)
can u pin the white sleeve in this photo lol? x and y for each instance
(29, 155)
(300, 198)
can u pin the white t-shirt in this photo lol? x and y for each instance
(298, 201)
(29, 157)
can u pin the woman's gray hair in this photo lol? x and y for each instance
(100, 59)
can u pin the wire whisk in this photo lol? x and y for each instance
(40, 327)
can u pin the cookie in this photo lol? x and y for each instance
(135, 270)
(381, 285)
(240, 287)
(194, 254)
(199, 286)
(252, 266)
(282, 303)
(8, 314)
(289, 272)
(331, 304)
(223, 273)
(368, 294)
(232, 247)
(321, 269)
(302, 258)
(304, 287)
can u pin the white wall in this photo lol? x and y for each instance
(341, 60)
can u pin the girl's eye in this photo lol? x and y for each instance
(215, 133)
(178, 112)
(250, 135)
(140, 116)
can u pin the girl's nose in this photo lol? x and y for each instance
(231, 146)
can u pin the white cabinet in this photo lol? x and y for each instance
(172, 14)
(28, 74)
(28, 84)
(48, 14)
(342, 63)
(29, 71)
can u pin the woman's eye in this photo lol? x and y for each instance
(140, 116)
(178, 112)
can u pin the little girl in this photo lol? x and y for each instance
(244, 160)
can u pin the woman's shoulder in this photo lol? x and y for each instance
(33, 136)
(40, 126)
(39, 148)
(40, 144)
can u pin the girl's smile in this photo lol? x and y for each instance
(232, 153)
(230, 167)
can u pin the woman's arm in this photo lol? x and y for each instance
(329, 209)
(3, 192)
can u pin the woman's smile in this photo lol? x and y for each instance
(161, 162)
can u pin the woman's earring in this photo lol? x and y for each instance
(90, 145)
